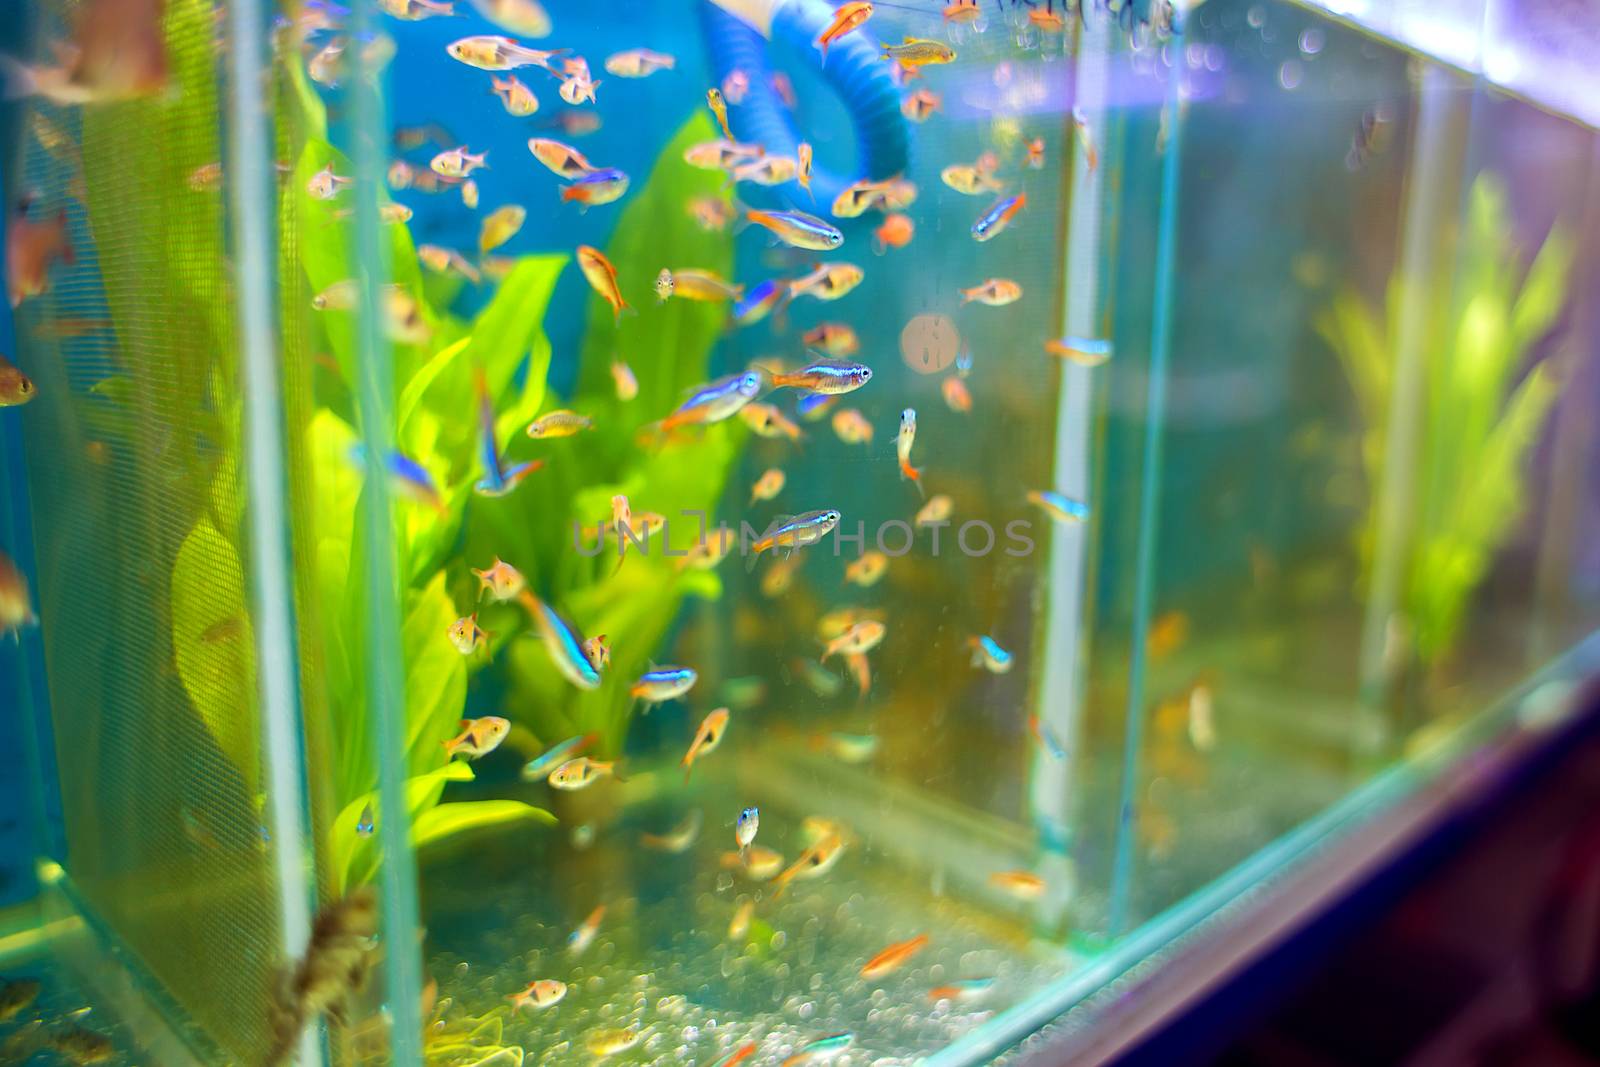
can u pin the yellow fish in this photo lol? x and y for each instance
(861, 638)
(719, 108)
(516, 97)
(501, 581)
(866, 570)
(562, 160)
(996, 292)
(16, 609)
(769, 485)
(814, 862)
(500, 226)
(541, 994)
(919, 52)
(852, 427)
(478, 737)
(561, 423)
(580, 773)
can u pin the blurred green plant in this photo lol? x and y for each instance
(669, 348)
(1483, 407)
(435, 424)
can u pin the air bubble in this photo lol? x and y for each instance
(1290, 74)
(1311, 41)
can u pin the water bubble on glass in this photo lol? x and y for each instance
(779, 939)
(1290, 74)
(1257, 17)
(1194, 55)
(807, 1008)
(1214, 57)
(1311, 41)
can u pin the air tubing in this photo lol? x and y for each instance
(854, 68)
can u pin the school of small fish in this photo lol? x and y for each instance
(101, 68)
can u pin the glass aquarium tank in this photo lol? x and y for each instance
(755, 530)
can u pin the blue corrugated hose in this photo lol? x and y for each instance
(855, 68)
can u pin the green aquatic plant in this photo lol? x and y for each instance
(1483, 407)
(669, 348)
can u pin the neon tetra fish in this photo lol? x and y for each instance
(893, 957)
(797, 229)
(602, 278)
(562, 642)
(661, 684)
(706, 739)
(497, 481)
(998, 217)
(1084, 351)
(823, 1048)
(970, 989)
(603, 186)
(832, 377)
(1059, 507)
(581, 938)
(987, 653)
(716, 401)
(793, 532)
(846, 17)
(540, 767)
(478, 737)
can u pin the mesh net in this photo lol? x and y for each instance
(133, 466)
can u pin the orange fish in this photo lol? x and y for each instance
(117, 52)
(602, 277)
(813, 862)
(1166, 634)
(478, 737)
(31, 249)
(893, 957)
(1022, 884)
(956, 396)
(961, 11)
(1047, 20)
(920, 104)
(1035, 157)
(803, 175)
(846, 17)
(896, 232)
(706, 739)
